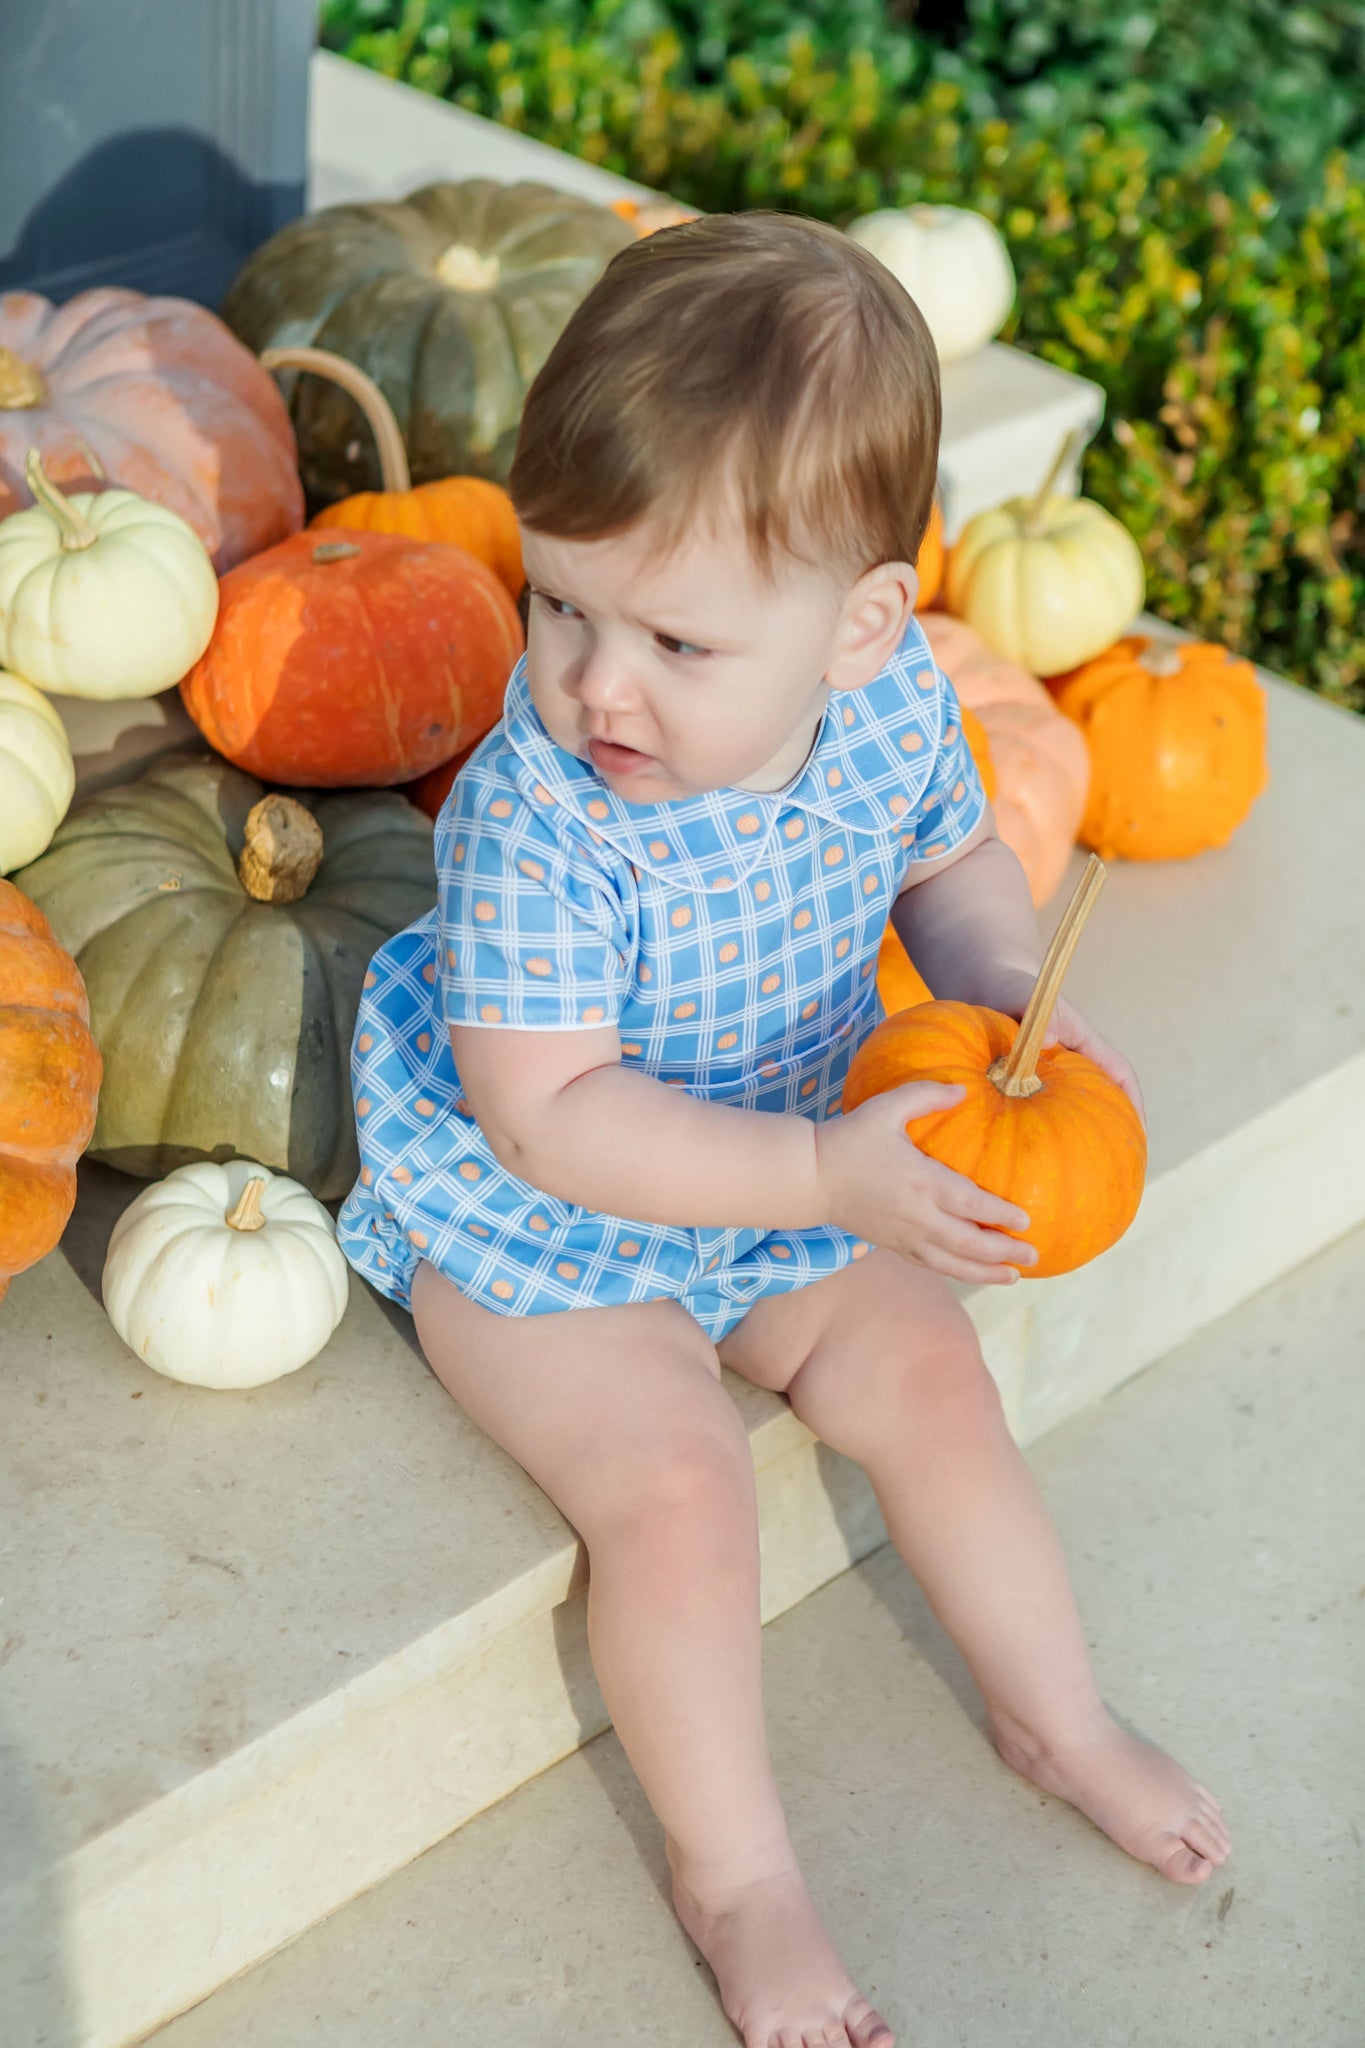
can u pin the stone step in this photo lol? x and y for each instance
(263, 1649)
(1219, 1585)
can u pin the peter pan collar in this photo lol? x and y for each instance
(872, 759)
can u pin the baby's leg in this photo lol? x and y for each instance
(620, 1416)
(883, 1365)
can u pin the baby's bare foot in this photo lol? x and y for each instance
(1138, 1795)
(780, 1978)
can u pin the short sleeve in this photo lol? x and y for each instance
(531, 931)
(953, 801)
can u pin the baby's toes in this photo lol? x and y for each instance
(1208, 1839)
(828, 2037)
(1180, 1863)
(866, 2028)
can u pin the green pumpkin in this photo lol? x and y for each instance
(226, 1022)
(451, 298)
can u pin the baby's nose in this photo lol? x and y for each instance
(605, 683)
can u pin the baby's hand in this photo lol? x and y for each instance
(880, 1186)
(1068, 1027)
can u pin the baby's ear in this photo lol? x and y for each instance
(872, 624)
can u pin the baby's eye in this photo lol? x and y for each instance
(557, 607)
(672, 646)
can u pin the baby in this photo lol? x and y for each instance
(597, 1088)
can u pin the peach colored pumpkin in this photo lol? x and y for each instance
(1042, 773)
(153, 395)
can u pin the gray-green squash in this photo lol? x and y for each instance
(451, 299)
(225, 1022)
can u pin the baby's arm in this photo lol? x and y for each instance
(967, 922)
(560, 1111)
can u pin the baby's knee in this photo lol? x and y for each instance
(693, 1486)
(942, 1371)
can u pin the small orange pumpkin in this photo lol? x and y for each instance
(931, 559)
(1047, 1129)
(353, 660)
(647, 216)
(49, 1084)
(1177, 738)
(468, 511)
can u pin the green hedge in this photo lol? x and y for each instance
(1229, 339)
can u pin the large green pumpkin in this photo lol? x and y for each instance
(225, 1022)
(451, 298)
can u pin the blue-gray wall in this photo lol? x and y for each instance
(151, 143)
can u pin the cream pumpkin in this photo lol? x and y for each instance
(37, 774)
(225, 1276)
(102, 594)
(1041, 774)
(1047, 581)
(954, 265)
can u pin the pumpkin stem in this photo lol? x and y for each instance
(379, 414)
(1160, 657)
(1033, 511)
(1016, 1073)
(21, 383)
(248, 1215)
(76, 531)
(283, 850)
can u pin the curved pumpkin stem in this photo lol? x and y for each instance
(1016, 1073)
(379, 414)
(1072, 445)
(76, 531)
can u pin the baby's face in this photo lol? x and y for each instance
(678, 673)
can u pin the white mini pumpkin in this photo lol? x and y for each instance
(953, 263)
(1047, 581)
(102, 594)
(225, 1276)
(37, 774)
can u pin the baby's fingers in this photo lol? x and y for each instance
(958, 1196)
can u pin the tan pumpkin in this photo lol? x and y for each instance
(153, 395)
(1042, 774)
(1177, 738)
(49, 1084)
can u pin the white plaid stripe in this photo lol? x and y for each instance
(732, 938)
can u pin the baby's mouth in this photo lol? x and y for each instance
(611, 759)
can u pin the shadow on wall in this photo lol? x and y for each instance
(158, 210)
(38, 2007)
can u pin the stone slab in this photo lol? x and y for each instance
(1213, 1518)
(262, 1649)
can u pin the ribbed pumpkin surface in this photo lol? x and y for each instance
(226, 1023)
(364, 667)
(464, 511)
(1177, 740)
(1073, 1156)
(49, 1084)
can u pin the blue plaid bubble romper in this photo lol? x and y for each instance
(732, 939)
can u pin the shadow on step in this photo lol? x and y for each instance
(38, 2007)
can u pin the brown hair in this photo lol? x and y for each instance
(768, 348)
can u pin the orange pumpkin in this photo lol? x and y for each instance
(430, 791)
(1045, 1129)
(647, 216)
(49, 1084)
(360, 659)
(930, 560)
(153, 395)
(1177, 738)
(468, 511)
(1042, 774)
